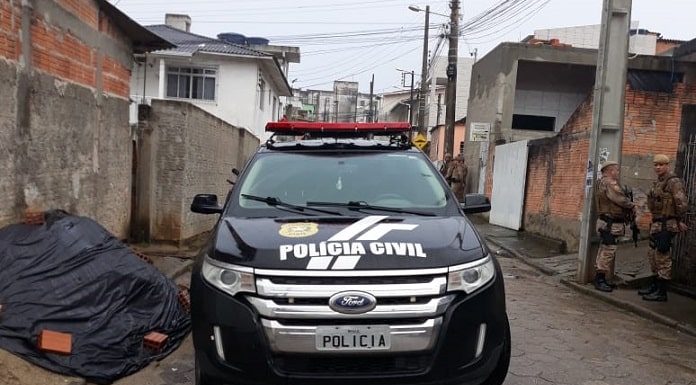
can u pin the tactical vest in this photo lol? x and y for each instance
(661, 201)
(603, 204)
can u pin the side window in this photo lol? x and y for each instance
(262, 93)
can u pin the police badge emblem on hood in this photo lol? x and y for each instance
(347, 243)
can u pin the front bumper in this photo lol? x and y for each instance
(233, 345)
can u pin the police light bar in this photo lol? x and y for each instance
(300, 128)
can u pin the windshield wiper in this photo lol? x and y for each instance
(360, 205)
(273, 201)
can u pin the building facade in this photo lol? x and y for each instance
(243, 86)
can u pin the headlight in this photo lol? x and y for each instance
(472, 276)
(228, 278)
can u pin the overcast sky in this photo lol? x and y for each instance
(383, 35)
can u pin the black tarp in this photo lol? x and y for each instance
(71, 275)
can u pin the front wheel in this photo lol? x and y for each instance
(201, 378)
(501, 369)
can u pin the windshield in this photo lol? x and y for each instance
(398, 180)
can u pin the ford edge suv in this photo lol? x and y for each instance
(342, 257)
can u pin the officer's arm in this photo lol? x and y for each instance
(681, 201)
(616, 195)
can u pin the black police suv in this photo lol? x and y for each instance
(342, 257)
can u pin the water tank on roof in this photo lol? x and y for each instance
(233, 38)
(257, 41)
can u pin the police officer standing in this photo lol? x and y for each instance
(668, 204)
(456, 175)
(611, 204)
(445, 164)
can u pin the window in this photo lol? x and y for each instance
(191, 83)
(461, 147)
(533, 122)
(275, 108)
(379, 178)
(262, 93)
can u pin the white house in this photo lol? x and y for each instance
(234, 82)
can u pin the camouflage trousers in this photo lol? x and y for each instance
(605, 258)
(661, 261)
(607, 252)
(660, 264)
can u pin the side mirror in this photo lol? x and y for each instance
(206, 204)
(476, 203)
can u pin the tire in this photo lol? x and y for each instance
(501, 369)
(200, 378)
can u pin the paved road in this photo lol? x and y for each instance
(559, 337)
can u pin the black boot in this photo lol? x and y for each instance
(659, 295)
(600, 283)
(650, 288)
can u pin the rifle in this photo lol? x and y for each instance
(630, 218)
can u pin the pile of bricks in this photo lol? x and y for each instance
(185, 298)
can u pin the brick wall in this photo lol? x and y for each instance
(9, 29)
(193, 152)
(64, 144)
(557, 166)
(665, 45)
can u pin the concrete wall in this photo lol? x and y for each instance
(548, 89)
(237, 89)
(494, 86)
(183, 151)
(556, 171)
(65, 142)
(491, 100)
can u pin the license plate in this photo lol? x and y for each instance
(352, 338)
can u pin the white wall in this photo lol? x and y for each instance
(237, 92)
(464, 69)
(560, 105)
(587, 36)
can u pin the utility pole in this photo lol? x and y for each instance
(410, 101)
(371, 115)
(424, 75)
(607, 116)
(451, 93)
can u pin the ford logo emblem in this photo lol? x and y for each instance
(352, 302)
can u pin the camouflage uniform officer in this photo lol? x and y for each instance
(668, 204)
(446, 164)
(611, 204)
(456, 175)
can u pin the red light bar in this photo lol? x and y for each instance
(300, 127)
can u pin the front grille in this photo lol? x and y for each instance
(360, 321)
(351, 365)
(380, 301)
(351, 280)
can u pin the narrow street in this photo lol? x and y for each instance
(559, 337)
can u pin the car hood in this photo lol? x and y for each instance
(347, 243)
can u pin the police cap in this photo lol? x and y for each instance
(661, 159)
(607, 164)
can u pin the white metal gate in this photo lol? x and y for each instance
(684, 252)
(509, 179)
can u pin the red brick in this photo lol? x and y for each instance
(55, 342)
(155, 341)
